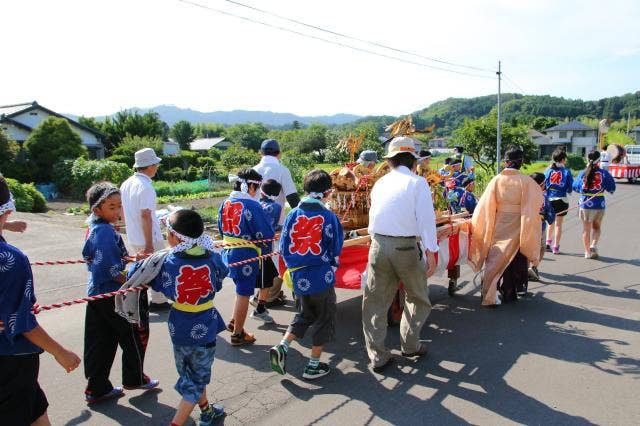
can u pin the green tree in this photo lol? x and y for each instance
(542, 123)
(8, 152)
(249, 135)
(478, 137)
(237, 157)
(619, 138)
(124, 153)
(125, 123)
(51, 141)
(208, 130)
(296, 125)
(183, 133)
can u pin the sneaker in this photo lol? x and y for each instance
(533, 274)
(594, 252)
(548, 245)
(207, 419)
(253, 301)
(230, 326)
(278, 359)
(151, 383)
(114, 393)
(264, 316)
(587, 255)
(556, 250)
(242, 339)
(312, 373)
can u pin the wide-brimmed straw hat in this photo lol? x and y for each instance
(402, 144)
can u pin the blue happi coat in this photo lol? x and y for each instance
(602, 181)
(192, 278)
(17, 297)
(558, 182)
(104, 251)
(468, 201)
(311, 239)
(453, 196)
(273, 210)
(240, 216)
(547, 213)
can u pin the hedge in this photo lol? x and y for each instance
(74, 177)
(27, 198)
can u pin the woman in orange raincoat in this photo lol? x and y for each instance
(506, 231)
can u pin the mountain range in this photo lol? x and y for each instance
(171, 114)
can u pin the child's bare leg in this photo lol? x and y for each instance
(550, 232)
(184, 411)
(595, 236)
(43, 420)
(558, 226)
(263, 294)
(586, 235)
(316, 351)
(240, 313)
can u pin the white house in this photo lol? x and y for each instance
(205, 144)
(170, 147)
(545, 144)
(18, 121)
(438, 143)
(576, 137)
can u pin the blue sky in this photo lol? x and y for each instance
(94, 58)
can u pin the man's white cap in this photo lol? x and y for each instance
(146, 157)
(402, 144)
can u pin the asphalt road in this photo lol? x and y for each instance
(568, 355)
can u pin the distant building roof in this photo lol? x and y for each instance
(11, 121)
(636, 129)
(572, 125)
(205, 144)
(9, 111)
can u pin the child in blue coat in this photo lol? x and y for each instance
(592, 183)
(268, 274)
(22, 339)
(241, 220)
(558, 184)
(190, 276)
(468, 199)
(547, 216)
(104, 329)
(311, 242)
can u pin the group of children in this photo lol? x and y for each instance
(191, 272)
(458, 186)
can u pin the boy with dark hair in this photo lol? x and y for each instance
(311, 242)
(22, 340)
(191, 275)
(267, 273)
(468, 199)
(548, 216)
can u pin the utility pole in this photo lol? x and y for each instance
(499, 139)
(628, 120)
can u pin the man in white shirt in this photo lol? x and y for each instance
(139, 204)
(401, 224)
(270, 167)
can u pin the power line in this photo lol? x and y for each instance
(514, 84)
(315, 27)
(336, 43)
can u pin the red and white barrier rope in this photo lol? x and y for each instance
(37, 308)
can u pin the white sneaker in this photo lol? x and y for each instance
(498, 299)
(594, 252)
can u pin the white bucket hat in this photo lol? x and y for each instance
(146, 157)
(402, 144)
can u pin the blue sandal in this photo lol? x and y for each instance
(217, 412)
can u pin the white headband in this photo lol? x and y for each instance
(203, 241)
(106, 194)
(244, 187)
(318, 195)
(9, 206)
(271, 197)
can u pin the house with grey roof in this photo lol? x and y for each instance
(574, 136)
(18, 121)
(205, 144)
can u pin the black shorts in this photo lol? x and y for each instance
(22, 401)
(559, 206)
(317, 311)
(266, 274)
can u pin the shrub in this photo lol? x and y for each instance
(130, 144)
(576, 162)
(74, 178)
(237, 157)
(124, 159)
(27, 197)
(193, 173)
(299, 165)
(173, 175)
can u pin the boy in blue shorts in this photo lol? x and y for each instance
(22, 340)
(311, 242)
(547, 216)
(191, 275)
(267, 276)
(240, 221)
